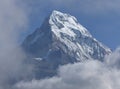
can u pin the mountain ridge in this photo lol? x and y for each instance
(60, 40)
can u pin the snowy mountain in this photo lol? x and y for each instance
(60, 40)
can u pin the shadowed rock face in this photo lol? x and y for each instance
(61, 40)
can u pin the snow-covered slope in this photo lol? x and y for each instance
(63, 32)
(78, 41)
(62, 39)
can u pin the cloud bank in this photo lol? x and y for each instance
(13, 19)
(91, 74)
(86, 75)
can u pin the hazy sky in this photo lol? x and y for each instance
(100, 17)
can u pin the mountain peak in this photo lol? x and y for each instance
(61, 40)
(62, 32)
(65, 23)
(56, 12)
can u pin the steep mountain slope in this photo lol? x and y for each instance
(60, 40)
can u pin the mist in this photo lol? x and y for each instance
(13, 21)
(91, 74)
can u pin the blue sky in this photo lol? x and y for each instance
(100, 17)
(18, 18)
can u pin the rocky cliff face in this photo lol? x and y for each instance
(60, 40)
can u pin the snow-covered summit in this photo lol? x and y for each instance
(65, 23)
(63, 39)
(60, 40)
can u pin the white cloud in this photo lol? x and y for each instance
(86, 75)
(114, 59)
(13, 19)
